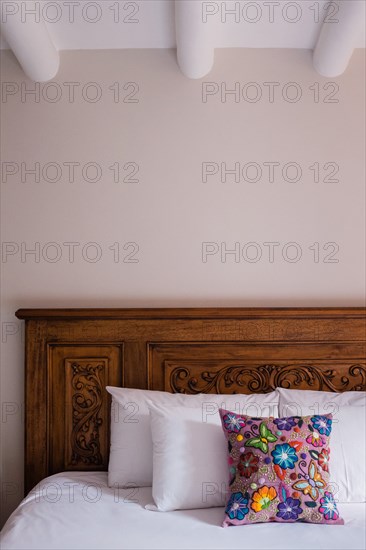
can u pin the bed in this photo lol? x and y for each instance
(72, 355)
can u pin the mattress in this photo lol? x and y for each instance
(77, 510)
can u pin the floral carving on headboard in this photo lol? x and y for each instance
(86, 420)
(265, 378)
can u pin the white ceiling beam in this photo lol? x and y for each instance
(338, 37)
(195, 51)
(26, 33)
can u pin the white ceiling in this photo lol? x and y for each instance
(155, 23)
(37, 30)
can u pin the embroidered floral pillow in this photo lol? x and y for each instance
(279, 469)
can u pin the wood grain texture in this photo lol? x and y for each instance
(71, 355)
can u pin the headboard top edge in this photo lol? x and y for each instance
(188, 313)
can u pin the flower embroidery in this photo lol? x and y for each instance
(285, 423)
(233, 423)
(289, 509)
(263, 498)
(315, 439)
(248, 464)
(323, 460)
(328, 506)
(284, 456)
(322, 424)
(237, 507)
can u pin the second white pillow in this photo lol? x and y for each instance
(189, 459)
(190, 451)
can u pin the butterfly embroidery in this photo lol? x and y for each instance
(312, 482)
(261, 442)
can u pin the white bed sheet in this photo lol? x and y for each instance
(77, 510)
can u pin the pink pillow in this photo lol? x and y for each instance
(279, 469)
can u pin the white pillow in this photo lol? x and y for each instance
(130, 458)
(190, 450)
(319, 401)
(347, 442)
(131, 451)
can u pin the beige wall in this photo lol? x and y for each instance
(169, 212)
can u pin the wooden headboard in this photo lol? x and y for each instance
(72, 354)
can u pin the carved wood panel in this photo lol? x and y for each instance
(252, 368)
(79, 413)
(252, 377)
(85, 383)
